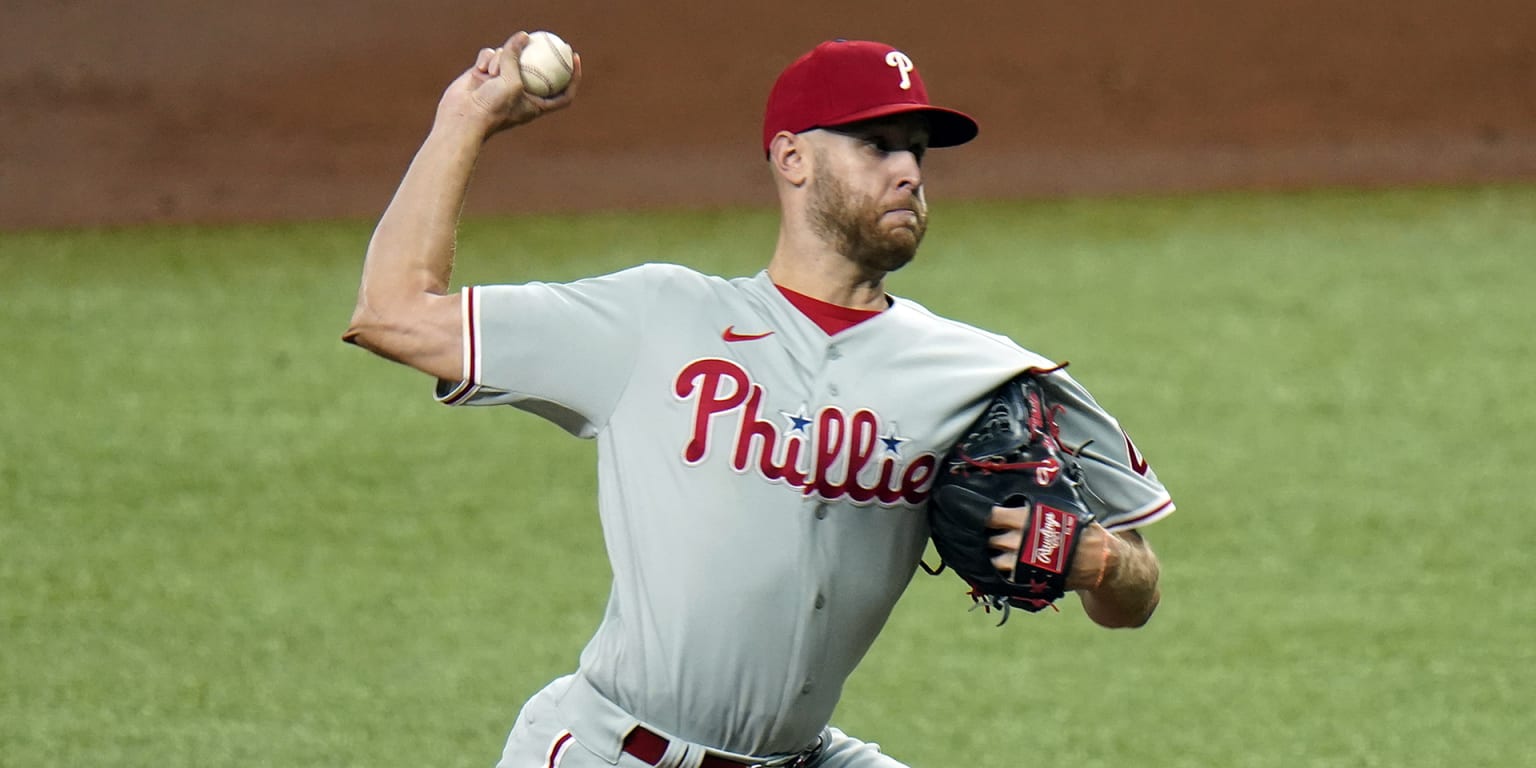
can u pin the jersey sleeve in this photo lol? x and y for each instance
(562, 351)
(1121, 489)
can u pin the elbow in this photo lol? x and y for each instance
(1125, 615)
(373, 331)
(425, 335)
(362, 329)
(1141, 618)
(1123, 622)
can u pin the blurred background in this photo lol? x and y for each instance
(179, 110)
(1289, 243)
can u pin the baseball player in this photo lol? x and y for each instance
(780, 432)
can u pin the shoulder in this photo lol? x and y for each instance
(660, 272)
(935, 329)
(676, 279)
(649, 283)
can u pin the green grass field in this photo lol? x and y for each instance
(228, 539)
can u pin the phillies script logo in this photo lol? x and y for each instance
(832, 454)
(1050, 536)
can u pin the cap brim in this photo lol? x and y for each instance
(946, 127)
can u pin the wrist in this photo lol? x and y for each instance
(1113, 555)
(462, 122)
(1093, 561)
(1101, 560)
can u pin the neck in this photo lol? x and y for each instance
(808, 265)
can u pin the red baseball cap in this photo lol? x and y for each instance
(845, 81)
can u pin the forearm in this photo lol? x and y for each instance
(1128, 593)
(412, 246)
(410, 258)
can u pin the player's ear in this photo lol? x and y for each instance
(790, 157)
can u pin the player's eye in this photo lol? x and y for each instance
(886, 147)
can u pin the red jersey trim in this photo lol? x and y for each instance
(557, 749)
(1156, 512)
(464, 389)
(829, 317)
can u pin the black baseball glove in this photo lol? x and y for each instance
(1011, 457)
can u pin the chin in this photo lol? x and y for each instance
(890, 258)
(903, 244)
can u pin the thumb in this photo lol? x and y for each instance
(496, 82)
(509, 67)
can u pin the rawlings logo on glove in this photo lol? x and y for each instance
(1052, 533)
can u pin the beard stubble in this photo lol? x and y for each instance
(853, 225)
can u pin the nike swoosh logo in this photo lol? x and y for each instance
(730, 334)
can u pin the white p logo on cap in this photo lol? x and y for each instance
(903, 65)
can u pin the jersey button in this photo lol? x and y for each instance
(832, 390)
(821, 511)
(806, 688)
(833, 353)
(821, 601)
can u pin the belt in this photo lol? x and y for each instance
(650, 746)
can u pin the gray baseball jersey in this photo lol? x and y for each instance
(761, 485)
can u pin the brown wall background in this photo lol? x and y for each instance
(126, 112)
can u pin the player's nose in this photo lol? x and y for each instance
(908, 172)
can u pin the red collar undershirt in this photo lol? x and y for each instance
(831, 318)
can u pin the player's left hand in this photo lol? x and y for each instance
(1086, 571)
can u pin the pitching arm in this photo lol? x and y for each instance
(404, 312)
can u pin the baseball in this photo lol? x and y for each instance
(546, 64)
